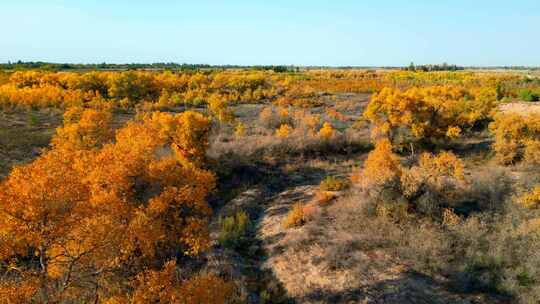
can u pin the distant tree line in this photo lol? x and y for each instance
(452, 67)
(29, 65)
(433, 67)
(24, 65)
(511, 67)
(277, 68)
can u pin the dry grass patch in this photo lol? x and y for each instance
(23, 134)
(324, 197)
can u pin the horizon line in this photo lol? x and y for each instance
(9, 62)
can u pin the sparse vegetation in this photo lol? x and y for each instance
(333, 183)
(235, 230)
(517, 137)
(296, 217)
(529, 95)
(268, 185)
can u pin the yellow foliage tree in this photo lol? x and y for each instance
(164, 286)
(90, 218)
(84, 128)
(382, 167)
(436, 173)
(516, 137)
(219, 108)
(18, 291)
(427, 113)
(435, 177)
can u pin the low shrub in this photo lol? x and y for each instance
(529, 95)
(324, 197)
(333, 183)
(240, 130)
(235, 230)
(517, 137)
(426, 187)
(531, 200)
(296, 217)
(327, 131)
(284, 131)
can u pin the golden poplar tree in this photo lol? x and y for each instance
(89, 214)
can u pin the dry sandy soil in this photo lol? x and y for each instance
(521, 107)
(316, 263)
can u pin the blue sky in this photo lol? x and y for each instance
(301, 32)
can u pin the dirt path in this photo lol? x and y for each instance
(522, 107)
(245, 266)
(318, 262)
(315, 266)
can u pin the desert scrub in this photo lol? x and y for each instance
(434, 182)
(240, 130)
(298, 216)
(284, 131)
(268, 118)
(327, 131)
(235, 230)
(529, 95)
(517, 137)
(324, 197)
(333, 183)
(531, 200)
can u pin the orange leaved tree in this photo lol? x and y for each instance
(428, 113)
(85, 218)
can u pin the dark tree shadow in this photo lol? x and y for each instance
(411, 288)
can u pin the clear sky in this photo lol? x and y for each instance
(299, 32)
